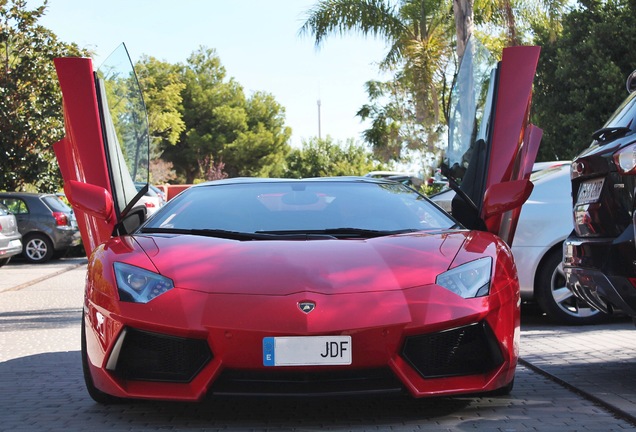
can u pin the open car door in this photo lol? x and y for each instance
(106, 146)
(492, 147)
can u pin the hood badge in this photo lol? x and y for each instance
(306, 306)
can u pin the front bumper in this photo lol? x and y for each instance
(426, 341)
(401, 341)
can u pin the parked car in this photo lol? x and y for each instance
(10, 237)
(600, 255)
(324, 286)
(153, 199)
(544, 223)
(401, 177)
(48, 226)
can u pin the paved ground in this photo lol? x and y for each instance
(41, 385)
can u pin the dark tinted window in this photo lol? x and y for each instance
(292, 206)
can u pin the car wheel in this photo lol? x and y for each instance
(4, 261)
(96, 394)
(38, 248)
(556, 300)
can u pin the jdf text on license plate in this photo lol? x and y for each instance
(307, 350)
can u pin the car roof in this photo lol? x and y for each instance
(252, 180)
(27, 194)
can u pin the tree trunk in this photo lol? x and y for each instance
(463, 11)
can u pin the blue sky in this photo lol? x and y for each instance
(256, 40)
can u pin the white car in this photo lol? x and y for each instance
(545, 222)
(152, 199)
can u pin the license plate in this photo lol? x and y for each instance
(590, 191)
(15, 243)
(307, 350)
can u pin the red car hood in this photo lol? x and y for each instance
(286, 267)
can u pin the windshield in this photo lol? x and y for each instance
(301, 206)
(471, 109)
(125, 126)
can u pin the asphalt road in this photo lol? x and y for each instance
(41, 384)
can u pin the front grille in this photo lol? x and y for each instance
(147, 356)
(468, 350)
(284, 383)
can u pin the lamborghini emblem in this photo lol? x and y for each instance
(306, 306)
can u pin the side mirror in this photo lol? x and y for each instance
(502, 197)
(631, 82)
(93, 200)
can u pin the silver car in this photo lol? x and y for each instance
(10, 237)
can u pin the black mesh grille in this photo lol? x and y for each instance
(150, 356)
(466, 350)
(284, 383)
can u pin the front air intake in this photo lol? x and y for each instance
(468, 350)
(148, 356)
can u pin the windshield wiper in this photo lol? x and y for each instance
(219, 233)
(608, 133)
(343, 232)
(237, 235)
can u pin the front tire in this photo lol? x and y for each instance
(503, 391)
(38, 248)
(556, 300)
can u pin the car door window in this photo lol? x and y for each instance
(125, 126)
(15, 206)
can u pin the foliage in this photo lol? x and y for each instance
(406, 111)
(581, 75)
(324, 157)
(225, 133)
(30, 102)
(162, 86)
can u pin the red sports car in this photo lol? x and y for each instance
(312, 286)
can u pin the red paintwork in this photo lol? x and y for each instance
(80, 153)
(235, 293)
(515, 142)
(234, 309)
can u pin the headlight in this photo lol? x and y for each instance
(138, 285)
(468, 280)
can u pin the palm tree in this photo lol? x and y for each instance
(419, 35)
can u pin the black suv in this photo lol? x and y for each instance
(600, 254)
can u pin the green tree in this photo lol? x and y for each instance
(410, 111)
(225, 132)
(31, 117)
(260, 150)
(324, 157)
(213, 114)
(419, 34)
(162, 86)
(581, 75)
